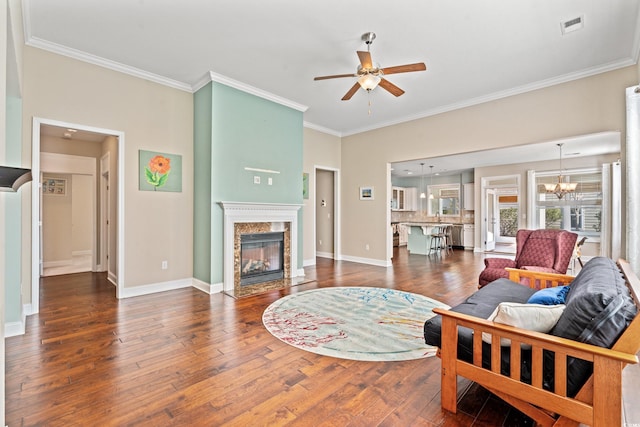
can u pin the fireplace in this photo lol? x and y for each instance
(261, 257)
(241, 218)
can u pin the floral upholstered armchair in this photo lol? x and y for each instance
(540, 250)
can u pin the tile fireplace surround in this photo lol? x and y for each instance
(243, 217)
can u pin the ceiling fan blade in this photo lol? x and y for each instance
(390, 87)
(351, 92)
(335, 76)
(365, 59)
(419, 66)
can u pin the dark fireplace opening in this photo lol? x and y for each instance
(261, 257)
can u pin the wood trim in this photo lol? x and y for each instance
(598, 403)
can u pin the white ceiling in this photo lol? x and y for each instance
(474, 50)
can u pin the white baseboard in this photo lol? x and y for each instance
(81, 253)
(309, 262)
(206, 287)
(28, 309)
(369, 261)
(12, 329)
(61, 263)
(325, 254)
(155, 287)
(112, 278)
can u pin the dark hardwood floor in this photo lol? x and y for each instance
(187, 358)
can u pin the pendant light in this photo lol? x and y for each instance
(422, 193)
(430, 193)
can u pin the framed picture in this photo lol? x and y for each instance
(159, 171)
(366, 193)
(54, 186)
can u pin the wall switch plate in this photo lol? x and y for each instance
(270, 181)
(165, 265)
(256, 180)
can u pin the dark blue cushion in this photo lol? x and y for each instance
(550, 296)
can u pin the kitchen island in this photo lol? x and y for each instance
(419, 236)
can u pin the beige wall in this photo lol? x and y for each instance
(580, 107)
(322, 151)
(159, 226)
(56, 223)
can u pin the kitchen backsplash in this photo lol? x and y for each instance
(467, 217)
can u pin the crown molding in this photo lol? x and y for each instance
(322, 129)
(105, 63)
(589, 72)
(227, 81)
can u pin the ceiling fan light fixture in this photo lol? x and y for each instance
(368, 81)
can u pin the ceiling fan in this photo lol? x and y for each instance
(370, 74)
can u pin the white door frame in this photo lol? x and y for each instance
(35, 204)
(336, 213)
(105, 211)
(490, 222)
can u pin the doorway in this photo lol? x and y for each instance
(63, 134)
(68, 221)
(500, 212)
(326, 234)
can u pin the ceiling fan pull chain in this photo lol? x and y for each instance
(369, 96)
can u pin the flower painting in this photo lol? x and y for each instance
(160, 172)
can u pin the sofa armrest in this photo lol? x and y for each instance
(499, 263)
(539, 279)
(607, 378)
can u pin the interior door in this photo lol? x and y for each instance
(491, 219)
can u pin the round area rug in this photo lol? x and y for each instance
(357, 323)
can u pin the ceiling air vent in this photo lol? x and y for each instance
(571, 25)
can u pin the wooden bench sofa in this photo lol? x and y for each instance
(553, 379)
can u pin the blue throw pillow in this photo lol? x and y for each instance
(550, 296)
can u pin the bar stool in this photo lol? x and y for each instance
(448, 238)
(437, 239)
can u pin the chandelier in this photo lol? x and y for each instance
(561, 188)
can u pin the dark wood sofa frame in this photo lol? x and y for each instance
(599, 401)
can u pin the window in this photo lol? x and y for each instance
(580, 211)
(445, 201)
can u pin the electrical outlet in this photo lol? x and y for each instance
(165, 265)
(366, 247)
(270, 181)
(256, 180)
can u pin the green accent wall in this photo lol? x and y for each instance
(202, 184)
(13, 221)
(235, 130)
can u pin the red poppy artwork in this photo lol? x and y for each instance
(160, 171)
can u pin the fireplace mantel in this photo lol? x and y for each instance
(245, 212)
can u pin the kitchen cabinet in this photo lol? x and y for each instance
(468, 196)
(403, 235)
(404, 198)
(468, 235)
(400, 234)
